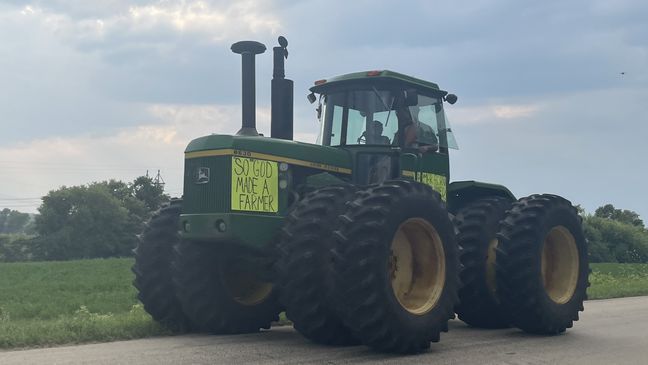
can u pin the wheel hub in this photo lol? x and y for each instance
(560, 264)
(244, 286)
(417, 266)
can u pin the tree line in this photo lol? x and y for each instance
(103, 219)
(97, 220)
(616, 235)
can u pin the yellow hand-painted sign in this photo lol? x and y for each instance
(437, 182)
(255, 185)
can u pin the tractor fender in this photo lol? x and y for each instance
(462, 193)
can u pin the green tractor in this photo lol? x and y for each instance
(360, 238)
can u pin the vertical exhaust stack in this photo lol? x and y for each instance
(282, 95)
(248, 50)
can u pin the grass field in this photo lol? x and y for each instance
(618, 280)
(48, 303)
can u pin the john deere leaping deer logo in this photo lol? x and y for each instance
(202, 175)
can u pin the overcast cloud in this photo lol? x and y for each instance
(92, 90)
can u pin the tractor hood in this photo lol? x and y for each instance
(292, 152)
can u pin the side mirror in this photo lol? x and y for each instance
(411, 97)
(450, 98)
(311, 97)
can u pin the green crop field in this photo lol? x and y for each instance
(48, 303)
(618, 280)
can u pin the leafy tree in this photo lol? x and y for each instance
(145, 190)
(598, 249)
(13, 221)
(101, 219)
(15, 247)
(625, 216)
(83, 222)
(3, 218)
(141, 197)
(614, 241)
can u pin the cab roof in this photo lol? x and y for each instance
(377, 76)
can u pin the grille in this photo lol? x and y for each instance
(210, 197)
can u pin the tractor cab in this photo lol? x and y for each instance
(384, 118)
(379, 108)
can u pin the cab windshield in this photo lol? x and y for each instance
(375, 117)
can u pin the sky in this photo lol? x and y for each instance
(553, 95)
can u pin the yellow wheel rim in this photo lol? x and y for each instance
(417, 266)
(560, 264)
(244, 286)
(491, 280)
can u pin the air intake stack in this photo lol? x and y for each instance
(282, 95)
(248, 50)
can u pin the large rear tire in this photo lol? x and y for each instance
(396, 267)
(152, 268)
(542, 264)
(220, 293)
(478, 224)
(304, 267)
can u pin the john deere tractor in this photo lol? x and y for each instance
(361, 237)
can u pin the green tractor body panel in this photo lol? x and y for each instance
(236, 189)
(331, 157)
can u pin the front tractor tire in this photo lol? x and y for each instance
(478, 225)
(219, 292)
(542, 264)
(152, 268)
(305, 265)
(396, 267)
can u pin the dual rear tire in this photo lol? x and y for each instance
(378, 267)
(525, 264)
(542, 266)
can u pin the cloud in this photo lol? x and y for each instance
(92, 72)
(156, 19)
(514, 111)
(160, 28)
(493, 113)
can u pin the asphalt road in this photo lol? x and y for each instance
(611, 331)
